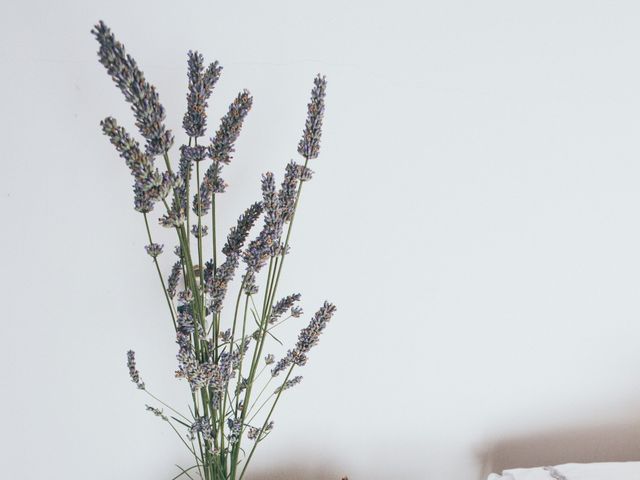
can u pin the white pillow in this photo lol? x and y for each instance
(574, 471)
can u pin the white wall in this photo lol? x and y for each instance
(475, 216)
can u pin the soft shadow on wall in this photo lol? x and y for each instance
(603, 441)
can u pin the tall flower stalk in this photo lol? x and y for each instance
(222, 340)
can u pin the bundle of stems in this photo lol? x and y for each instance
(222, 358)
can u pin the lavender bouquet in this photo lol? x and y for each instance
(221, 357)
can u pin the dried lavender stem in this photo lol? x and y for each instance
(273, 284)
(266, 304)
(187, 196)
(190, 279)
(244, 324)
(184, 472)
(256, 353)
(166, 405)
(286, 243)
(266, 400)
(235, 315)
(259, 395)
(231, 341)
(235, 450)
(183, 440)
(266, 422)
(164, 288)
(256, 356)
(213, 229)
(200, 265)
(199, 357)
(266, 313)
(215, 320)
(258, 375)
(196, 414)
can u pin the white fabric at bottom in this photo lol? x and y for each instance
(574, 471)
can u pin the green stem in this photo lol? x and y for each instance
(184, 472)
(190, 281)
(244, 327)
(286, 243)
(266, 385)
(270, 293)
(182, 439)
(166, 405)
(164, 288)
(188, 181)
(199, 236)
(213, 228)
(266, 422)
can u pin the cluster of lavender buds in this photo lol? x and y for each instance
(249, 282)
(174, 218)
(211, 374)
(188, 155)
(309, 145)
(174, 278)
(220, 150)
(259, 250)
(137, 91)
(288, 384)
(221, 354)
(235, 429)
(199, 230)
(201, 83)
(222, 144)
(154, 249)
(216, 283)
(157, 412)
(253, 432)
(149, 185)
(212, 183)
(279, 210)
(283, 305)
(133, 370)
(308, 337)
(201, 426)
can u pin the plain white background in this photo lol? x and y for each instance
(474, 215)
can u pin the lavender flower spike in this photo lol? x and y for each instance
(220, 150)
(211, 183)
(133, 370)
(157, 412)
(201, 85)
(149, 186)
(288, 384)
(309, 146)
(212, 357)
(137, 91)
(308, 337)
(174, 218)
(222, 144)
(282, 306)
(250, 287)
(253, 432)
(238, 234)
(174, 278)
(288, 191)
(217, 284)
(154, 249)
(259, 249)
